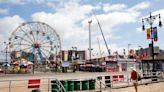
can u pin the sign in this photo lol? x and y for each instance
(148, 33)
(155, 34)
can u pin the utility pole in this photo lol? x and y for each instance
(90, 49)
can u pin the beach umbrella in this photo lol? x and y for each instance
(16, 63)
(6, 64)
(29, 63)
(23, 61)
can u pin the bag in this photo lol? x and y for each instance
(139, 77)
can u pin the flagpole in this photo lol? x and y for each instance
(152, 42)
(90, 49)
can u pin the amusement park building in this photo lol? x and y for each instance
(148, 51)
(70, 55)
(146, 58)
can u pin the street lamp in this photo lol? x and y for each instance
(56, 51)
(6, 49)
(150, 20)
(74, 57)
(90, 49)
(129, 48)
(74, 52)
(139, 46)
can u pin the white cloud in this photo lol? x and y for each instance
(139, 29)
(161, 11)
(142, 5)
(66, 21)
(114, 7)
(3, 11)
(113, 47)
(8, 25)
(60, 3)
(156, 21)
(71, 23)
(109, 21)
(14, 1)
(39, 1)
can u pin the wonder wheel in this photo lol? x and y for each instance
(35, 39)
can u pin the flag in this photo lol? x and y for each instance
(148, 33)
(155, 34)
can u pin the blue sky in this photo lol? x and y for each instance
(120, 21)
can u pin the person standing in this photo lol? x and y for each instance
(134, 78)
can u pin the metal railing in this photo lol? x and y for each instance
(21, 85)
(100, 86)
(145, 79)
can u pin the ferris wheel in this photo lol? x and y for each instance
(36, 38)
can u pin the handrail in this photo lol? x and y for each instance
(9, 85)
(100, 82)
(62, 87)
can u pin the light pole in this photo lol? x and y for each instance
(129, 48)
(58, 56)
(74, 52)
(150, 20)
(90, 49)
(6, 48)
(139, 46)
(74, 57)
(56, 51)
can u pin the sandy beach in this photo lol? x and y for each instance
(155, 87)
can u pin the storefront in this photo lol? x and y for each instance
(147, 64)
(119, 65)
(111, 66)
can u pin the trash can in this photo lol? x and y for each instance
(77, 84)
(71, 85)
(92, 84)
(85, 85)
(36, 90)
(65, 84)
(107, 81)
(54, 86)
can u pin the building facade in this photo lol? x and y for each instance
(70, 55)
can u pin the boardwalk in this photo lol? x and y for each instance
(20, 82)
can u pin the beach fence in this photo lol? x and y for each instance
(116, 81)
(100, 83)
(32, 85)
(52, 85)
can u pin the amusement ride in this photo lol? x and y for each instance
(35, 41)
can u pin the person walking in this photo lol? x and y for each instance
(134, 78)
